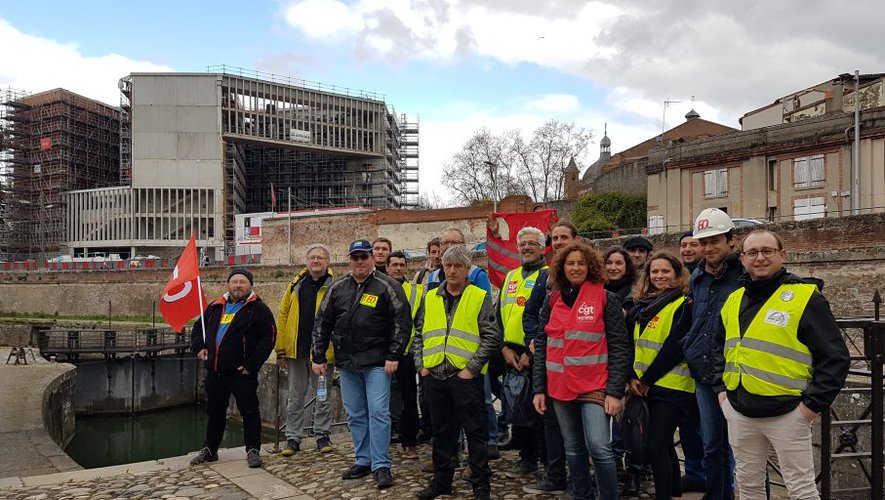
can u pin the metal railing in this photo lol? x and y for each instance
(71, 343)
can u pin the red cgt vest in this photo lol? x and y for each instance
(577, 350)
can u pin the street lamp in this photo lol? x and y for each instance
(494, 169)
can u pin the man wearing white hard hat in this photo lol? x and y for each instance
(715, 277)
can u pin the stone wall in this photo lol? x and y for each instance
(58, 407)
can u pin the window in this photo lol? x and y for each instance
(772, 175)
(772, 214)
(808, 171)
(809, 208)
(716, 183)
(656, 224)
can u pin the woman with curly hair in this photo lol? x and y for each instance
(582, 359)
(620, 273)
(658, 320)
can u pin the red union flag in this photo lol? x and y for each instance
(183, 298)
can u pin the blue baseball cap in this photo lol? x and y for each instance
(360, 246)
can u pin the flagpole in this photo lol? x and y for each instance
(200, 295)
(289, 220)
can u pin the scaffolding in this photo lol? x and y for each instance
(59, 141)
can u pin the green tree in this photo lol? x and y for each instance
(602, 211)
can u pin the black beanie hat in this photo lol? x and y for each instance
(245, 272)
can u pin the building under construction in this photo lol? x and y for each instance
(186, 152)
(55, 142)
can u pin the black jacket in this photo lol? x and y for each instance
(248, 341)
(817, 330)
(368, 323)
(620, 356)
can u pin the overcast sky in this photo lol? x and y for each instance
(461, 65)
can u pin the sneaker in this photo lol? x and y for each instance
(292, 447)
(384, 478)
(356, 472)
(203, 456)
(521, 469)
(494, 454)
(433, 491)
(324, 444)
(409, 453)
(545, 487)
(253, 458)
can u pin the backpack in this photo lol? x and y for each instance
(634, 429)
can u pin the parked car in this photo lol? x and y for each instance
(751, 223)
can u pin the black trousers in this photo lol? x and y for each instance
(244, 388)
(408, 389)
(666, 408)
(425, 424)
(457, 403)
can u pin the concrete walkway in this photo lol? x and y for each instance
(25, 446)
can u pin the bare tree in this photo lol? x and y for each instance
(484, 158)
(535, 167)
(541, 162)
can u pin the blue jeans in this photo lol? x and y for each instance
(492, 416)
(586, 430)
(718, 459)
(366, 397)
(693, 445)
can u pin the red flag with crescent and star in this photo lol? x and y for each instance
(183, 298)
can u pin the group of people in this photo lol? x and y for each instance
(719, 342)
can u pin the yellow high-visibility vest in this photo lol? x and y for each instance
(413, 293)
(769, 360)
(515, 292)
(648, 344)
(456, 343)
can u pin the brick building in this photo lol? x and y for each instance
(794, 167)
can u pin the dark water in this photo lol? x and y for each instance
(104, 441)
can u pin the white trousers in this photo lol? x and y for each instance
(750, 439)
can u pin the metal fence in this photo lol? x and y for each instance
(72, 343)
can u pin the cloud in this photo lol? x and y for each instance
(323, 18)
(442, 138)
(732, 56)
(38, 64)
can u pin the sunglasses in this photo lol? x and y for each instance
(359, 256)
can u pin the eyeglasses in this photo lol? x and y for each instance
(359, 256)
(450, 242)
(316, 257)
(765, 252)
(523, 244)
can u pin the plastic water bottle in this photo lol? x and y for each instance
(322, 393)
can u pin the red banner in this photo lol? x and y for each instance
(183, 298)
(503, 253)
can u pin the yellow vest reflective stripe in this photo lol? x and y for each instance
(459, 341)
(769, 360)
(515, 291)
(648, 344)
(413, 293)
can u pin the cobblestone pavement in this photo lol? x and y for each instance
(319, 475)
(308, 475)
(196, 484)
